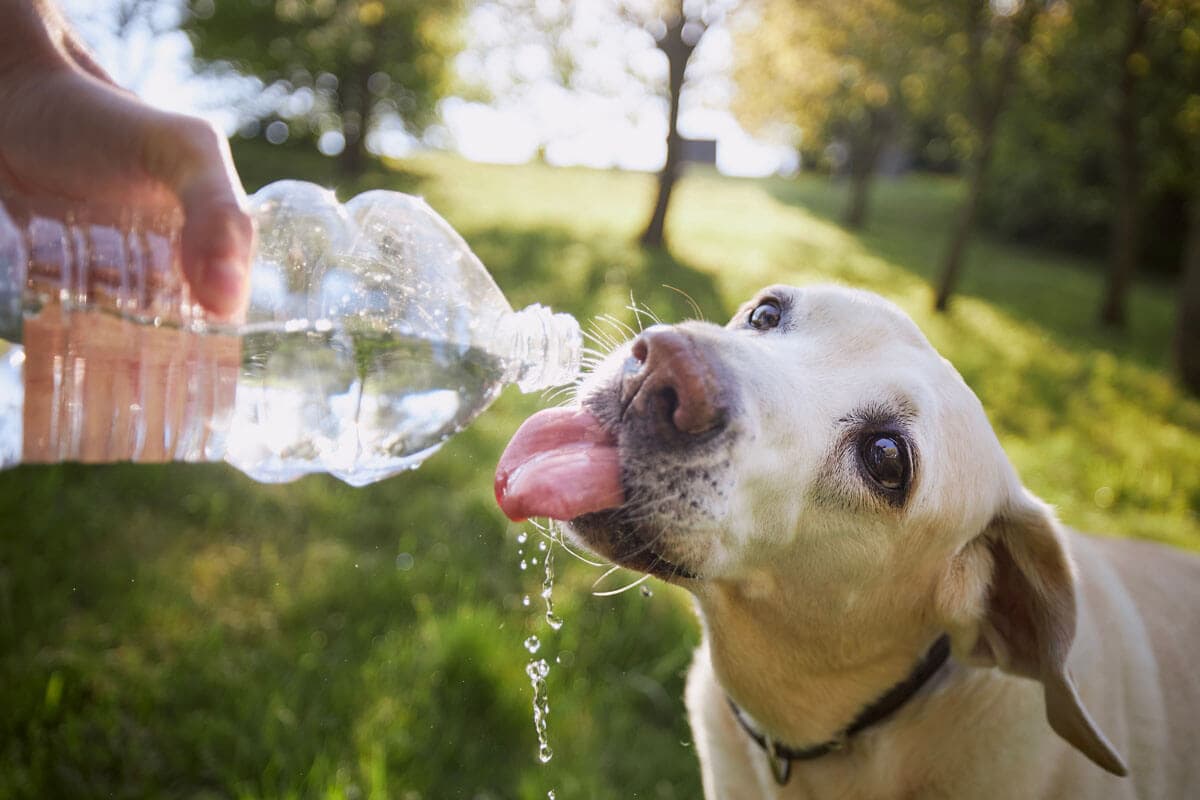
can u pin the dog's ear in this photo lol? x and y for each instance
(1026, 622)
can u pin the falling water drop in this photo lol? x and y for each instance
(524, 565)
(552, 619)
(525, 601)
(532, 644)
(522, 537)
(537, 670)
(647, 591)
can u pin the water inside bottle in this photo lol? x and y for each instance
(361, 405)
(281, 401)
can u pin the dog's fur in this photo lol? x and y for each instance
(817, 592)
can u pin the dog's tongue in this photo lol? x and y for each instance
(559, 464)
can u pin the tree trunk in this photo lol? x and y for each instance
(355, 106)
(351, 162)
(956, 254)
(1123, 250)
(855, 215)
(864, 156)
(677, 51)
(989, 106)
(655, 233)
(1187, 331)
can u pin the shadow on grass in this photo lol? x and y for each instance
(228, 639)
(594, 275)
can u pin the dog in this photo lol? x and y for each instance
(886, 611)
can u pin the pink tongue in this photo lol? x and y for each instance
(559, 464)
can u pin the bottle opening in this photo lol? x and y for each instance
(547, 348)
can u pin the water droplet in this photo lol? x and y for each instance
(525, 601)
(647, 591)
(537, 670)
(552, 619)
(404, 562)
(533, 561)
(532, 644)
(542, 546)
(522, 537)
(524, 565)
(550, 795)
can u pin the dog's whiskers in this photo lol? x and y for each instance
(623, 589)
(622, 327)
(600, 338)
(642, 310)
(691, 301)
(607, 572)
(554, 534)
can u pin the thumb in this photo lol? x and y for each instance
(192, 158)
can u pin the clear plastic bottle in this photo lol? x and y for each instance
(373, 334)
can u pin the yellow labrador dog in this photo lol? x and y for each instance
(887, 612)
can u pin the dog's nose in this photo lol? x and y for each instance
(669, 376)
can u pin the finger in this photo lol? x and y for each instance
(193, 159)
(119, 150)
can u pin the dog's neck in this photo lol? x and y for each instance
(802, 670)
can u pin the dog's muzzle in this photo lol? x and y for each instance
(669, 380)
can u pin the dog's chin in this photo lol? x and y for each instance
(629, 544)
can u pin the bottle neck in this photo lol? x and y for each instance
(545, 348)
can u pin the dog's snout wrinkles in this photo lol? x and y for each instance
(672, 377)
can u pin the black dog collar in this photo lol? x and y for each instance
(780, 757)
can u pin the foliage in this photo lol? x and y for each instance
(181, 631)
(343, 67)
(1055, 160)
(830, 71)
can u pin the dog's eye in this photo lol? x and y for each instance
(886, 460)
(766, 315)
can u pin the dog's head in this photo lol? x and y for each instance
(818, 456)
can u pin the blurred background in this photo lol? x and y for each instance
(1022, 176)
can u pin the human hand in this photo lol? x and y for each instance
(68, 131)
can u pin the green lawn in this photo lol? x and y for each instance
(184, 632)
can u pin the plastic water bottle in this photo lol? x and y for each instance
(373, 334)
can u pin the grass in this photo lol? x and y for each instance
(183, 632)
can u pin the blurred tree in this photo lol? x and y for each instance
(1057, 177)
(1187, 331)
(110, 28)
(1123, 250)
(1173, 100)
(1053, 160)
(846, 75)
(344, 66)
(993, 34)
(677, 27)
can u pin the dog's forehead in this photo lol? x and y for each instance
(866, 353)
(848, 319)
